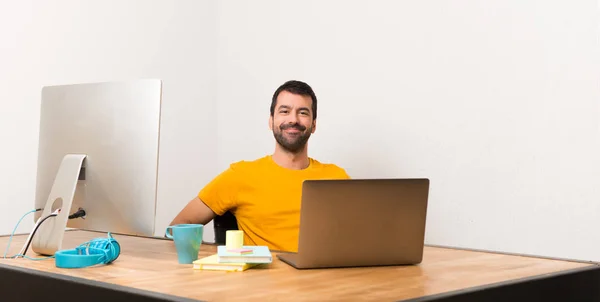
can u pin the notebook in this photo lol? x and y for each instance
(212, 263)
(259, 254)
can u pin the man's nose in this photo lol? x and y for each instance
(293, 119)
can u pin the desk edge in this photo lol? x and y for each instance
(506, 284)
(96, 283)
(458, 248)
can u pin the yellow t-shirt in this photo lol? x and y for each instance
(265, 198)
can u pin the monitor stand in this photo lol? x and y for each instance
(49, 235)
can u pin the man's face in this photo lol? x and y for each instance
(292, 121)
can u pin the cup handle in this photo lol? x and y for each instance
(167, 232)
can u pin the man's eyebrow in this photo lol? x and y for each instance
(289, 107)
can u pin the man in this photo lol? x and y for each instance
(265, 194)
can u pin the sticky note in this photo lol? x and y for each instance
(240, 251)
(234, 239)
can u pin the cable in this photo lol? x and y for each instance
(31, 258)
(36, 228)
(27, 240)
(15, 229)
(30, 237)
(80, 213)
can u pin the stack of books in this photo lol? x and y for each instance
(237, 259)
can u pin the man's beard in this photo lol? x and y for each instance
(294, 144)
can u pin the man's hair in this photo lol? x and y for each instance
(295, 87)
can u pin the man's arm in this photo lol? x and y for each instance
(218, 196)
(195, 212)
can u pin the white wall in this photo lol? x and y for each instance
(64, 42)
(495, 101)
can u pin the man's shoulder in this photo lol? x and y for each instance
(263, 164)
(329, 169)
(249, 165)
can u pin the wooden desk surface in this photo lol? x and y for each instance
(151, 264)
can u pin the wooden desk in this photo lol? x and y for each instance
(148, 266)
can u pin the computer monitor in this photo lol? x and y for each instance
(98, 151)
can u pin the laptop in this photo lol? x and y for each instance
(360, 222)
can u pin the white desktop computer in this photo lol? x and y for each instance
(98, 152)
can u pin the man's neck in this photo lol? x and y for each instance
(294, 161)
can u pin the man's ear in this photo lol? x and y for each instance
(270, 122)
(314, 126)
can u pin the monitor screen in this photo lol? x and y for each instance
(115, 128)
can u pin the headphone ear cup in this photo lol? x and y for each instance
(110, 246)
(116, 246)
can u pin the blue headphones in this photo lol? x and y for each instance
(93, 252)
